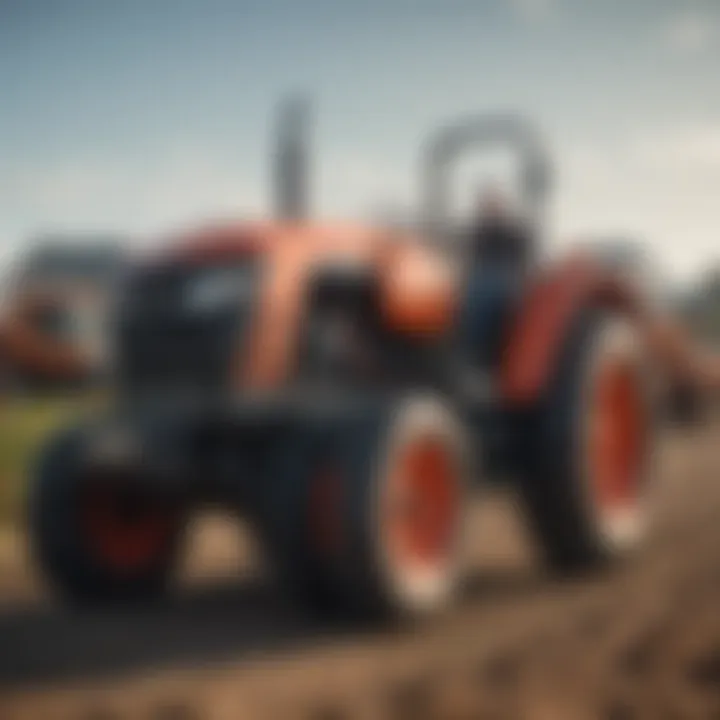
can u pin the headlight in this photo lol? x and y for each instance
(217, 288)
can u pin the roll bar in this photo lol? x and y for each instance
(291, 162)
(446, 144)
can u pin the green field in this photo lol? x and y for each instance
(24, 425)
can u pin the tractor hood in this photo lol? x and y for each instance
(232, 241)
(282, 261)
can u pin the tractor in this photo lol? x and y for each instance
(301, 373)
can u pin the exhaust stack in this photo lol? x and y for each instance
(291, 161)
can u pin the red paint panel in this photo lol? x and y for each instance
(550, 306)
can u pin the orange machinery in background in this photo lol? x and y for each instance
(53, 321)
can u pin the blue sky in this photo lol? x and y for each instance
(142, 115)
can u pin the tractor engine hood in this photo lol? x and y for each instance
(278, 264)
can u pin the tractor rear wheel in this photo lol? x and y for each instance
(97, 537)
(375, 524)
(588, 482)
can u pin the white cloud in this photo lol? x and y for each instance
(690, 147)
(690, 33)
(659, 187)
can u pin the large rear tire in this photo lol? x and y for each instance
(97, 538)
(589, 479)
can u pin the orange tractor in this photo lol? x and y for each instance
(302, 373)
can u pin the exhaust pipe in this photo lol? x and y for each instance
(291, 160)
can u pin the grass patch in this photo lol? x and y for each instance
(25, 425)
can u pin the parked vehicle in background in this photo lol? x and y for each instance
(53, 325)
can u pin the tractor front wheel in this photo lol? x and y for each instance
(98, 535)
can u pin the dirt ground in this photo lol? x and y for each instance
(640, 641)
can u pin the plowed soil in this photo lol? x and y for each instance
(637, 641)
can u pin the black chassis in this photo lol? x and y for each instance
(221, 453)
